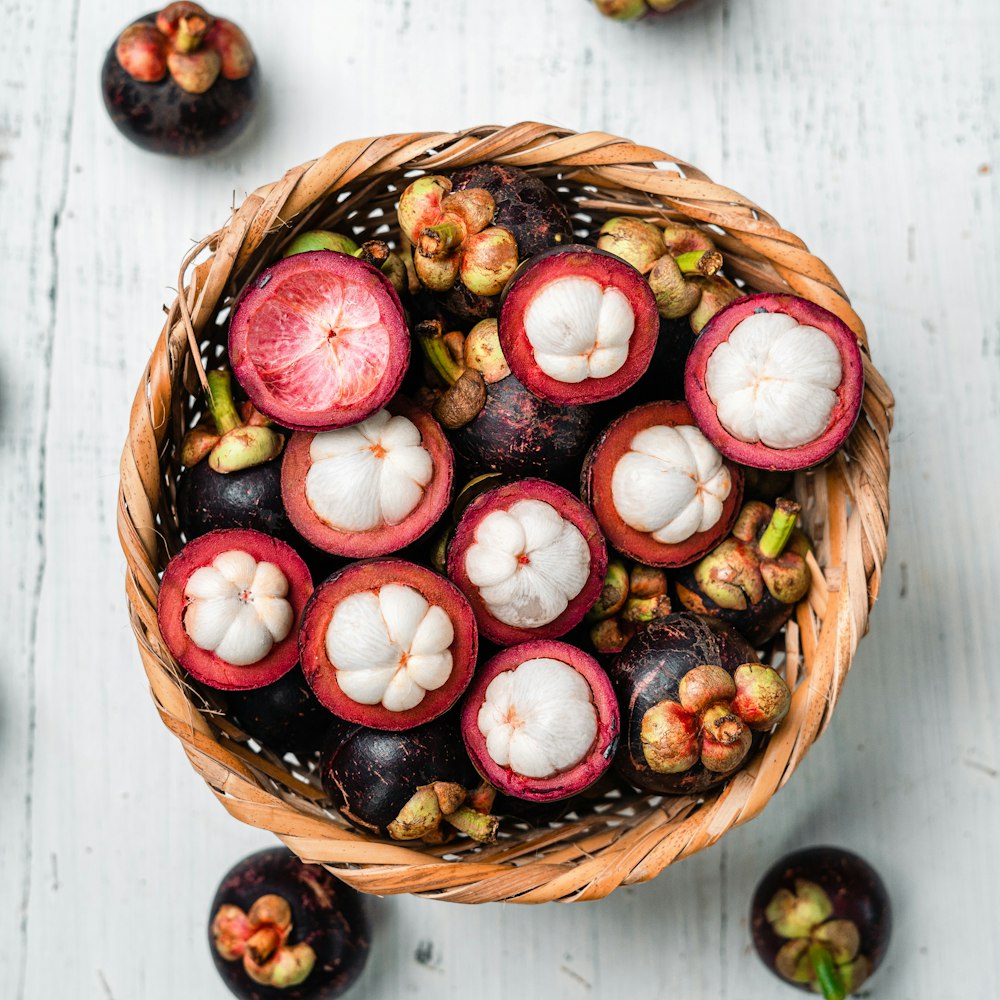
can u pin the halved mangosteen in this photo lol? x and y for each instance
(388, 644)
(659, 489)
(372, 488)
(319, 341)
(228, 608)
(540, 721)
(530, 558)
(775, 382)
(578, 325)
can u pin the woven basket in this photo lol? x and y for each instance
(617, 839)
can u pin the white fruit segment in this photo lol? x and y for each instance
(237, 608)
(579, 329)
(773, 381)
(528, 563)
(538, 719)
(389, 647)
(671, 483)
(370, 475)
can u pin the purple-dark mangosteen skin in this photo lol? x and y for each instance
(249, 498)
(664, 378)
(284, 717)
(370, 774)
(649, 670)
(521, 435)
(855, 889)
(326, 914)
(163, 118)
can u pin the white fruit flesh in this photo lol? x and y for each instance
(237, 608)
(389, 647)
(579, 329)
(319, 338)
(538, 719)
(773, 381)
(528, 563)
(671, 483)
(370, 475)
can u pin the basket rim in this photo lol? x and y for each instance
(849, 497)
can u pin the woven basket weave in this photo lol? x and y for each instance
(617, 838)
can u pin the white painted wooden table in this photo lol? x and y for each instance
(869, 127)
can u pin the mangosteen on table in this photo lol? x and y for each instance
(775, 382)
(388, 644)
(660, 490)
(695, 701)
(181, 81)
(821, 920)
(229, 605)
(371, 488)
(319, 341)
(281, 928)
(411, 785)
(530, 558)
(540, 721)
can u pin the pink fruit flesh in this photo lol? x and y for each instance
(319, 341)
(173, 603)
(370, 577)
(575, 778)
(849, 393)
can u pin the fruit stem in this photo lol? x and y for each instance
(436, 351)
(699, 262)
(479, 826)
(441, 239)
(827, 976)
(779, 529)
(220, 401)
(190, 31)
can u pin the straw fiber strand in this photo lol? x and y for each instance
(616, 838)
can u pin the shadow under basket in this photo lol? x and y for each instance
(618, 837)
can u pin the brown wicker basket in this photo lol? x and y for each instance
(618, 838)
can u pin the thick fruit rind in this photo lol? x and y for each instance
(582, 262)
(333, 415)
(850, 392)
(371, 574)
(599, 466)
(388, 538)
(568, 507)
(567, 783)
(201, 664)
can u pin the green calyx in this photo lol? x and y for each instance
(622, 10)
(321, 239)
(614, 593)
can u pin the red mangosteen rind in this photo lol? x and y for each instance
(853, 892)
(596, 480)
(327, 922)
(385, 538)
(307, 291)
(610, 273)
(570, 509)
(173, 603)
(371, 576)
(574, 779)
(848, 393)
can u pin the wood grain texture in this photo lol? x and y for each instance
(869, 128)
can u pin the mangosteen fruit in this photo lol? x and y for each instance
(635, 10)
(775, 382)
(661, 492)
(371, 488)
(285, 717)
(411, 785)
(695, 701)
(821, 920)
(229, 606)
(578, 325)
(181, 81)
(319, 341)
(530, 558)
(388, 644)
(281, 928)
(540, 721)
(754, 578)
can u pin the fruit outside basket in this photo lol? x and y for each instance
(618, 838)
